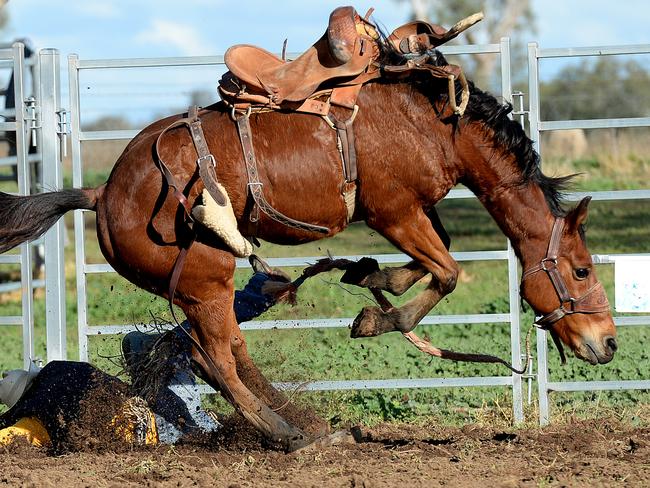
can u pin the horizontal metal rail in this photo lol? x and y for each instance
(13, 161)
(627, 321)
(593, 51)
(149, 62)
(380, 258)
(480, 381)
(610, 195)
(619, 123)
(108, 135)
(611, 258)
(8, 112)
(318, 323)
(17, 285)
(344, 322)
(486, 318)
(471, 49)
(168, 62)
(599, 385)
(10, 259)
(306, 260)
(11, 320)
(8, 126)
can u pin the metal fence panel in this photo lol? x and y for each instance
(16, 57)
(537, 126)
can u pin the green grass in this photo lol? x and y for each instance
(314, 354)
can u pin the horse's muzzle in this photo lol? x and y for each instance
(598, 354)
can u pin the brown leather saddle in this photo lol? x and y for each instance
(337, 65)
(339, 58)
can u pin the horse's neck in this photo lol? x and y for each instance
(521, 211)
(524, 216)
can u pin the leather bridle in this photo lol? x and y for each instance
(594, 300)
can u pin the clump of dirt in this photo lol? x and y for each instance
(236, 434)
(303, 417)
(94, 429)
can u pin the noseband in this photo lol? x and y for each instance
(593, 301)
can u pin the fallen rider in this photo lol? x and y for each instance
(66, 404)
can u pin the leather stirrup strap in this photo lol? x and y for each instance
(173, 283)
(205, 160)
(345, 132)
(171, 180)
(256, 187)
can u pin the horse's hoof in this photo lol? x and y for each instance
(336, 439)
(359, 272)
(297, 443)
(371, 322)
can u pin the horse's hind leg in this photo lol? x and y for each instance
(212, 324)
(396, 280)
(415, 235)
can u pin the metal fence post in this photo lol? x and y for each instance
(533, 118)
(22, 163)
(50, 102)
(513, 278)
(77, 182)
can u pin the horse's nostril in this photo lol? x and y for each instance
(611, 344)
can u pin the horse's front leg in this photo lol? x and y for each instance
(304, 418)
(415, 235)
(395, 280)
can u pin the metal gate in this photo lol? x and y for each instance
(76, 66)
(38, 123)
(537, 126)
(13, 57)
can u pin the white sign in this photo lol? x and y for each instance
(632, 278)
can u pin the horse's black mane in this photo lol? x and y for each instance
(508, 134)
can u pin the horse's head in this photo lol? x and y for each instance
(563, 289)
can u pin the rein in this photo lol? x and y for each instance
(327, 264)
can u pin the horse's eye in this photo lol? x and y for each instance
(582, 273)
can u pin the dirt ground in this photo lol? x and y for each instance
(582, 453)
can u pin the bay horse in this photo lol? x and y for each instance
(411, 150)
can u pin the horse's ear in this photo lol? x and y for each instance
(578, 216)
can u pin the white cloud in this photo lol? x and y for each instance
(184, 37)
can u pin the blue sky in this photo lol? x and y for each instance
(145, 28)
(136, 28)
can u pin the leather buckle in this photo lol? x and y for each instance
(548, 260)
(209, 157)
(572, 302)
(245, 114)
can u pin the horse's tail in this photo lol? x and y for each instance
(24, 218)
